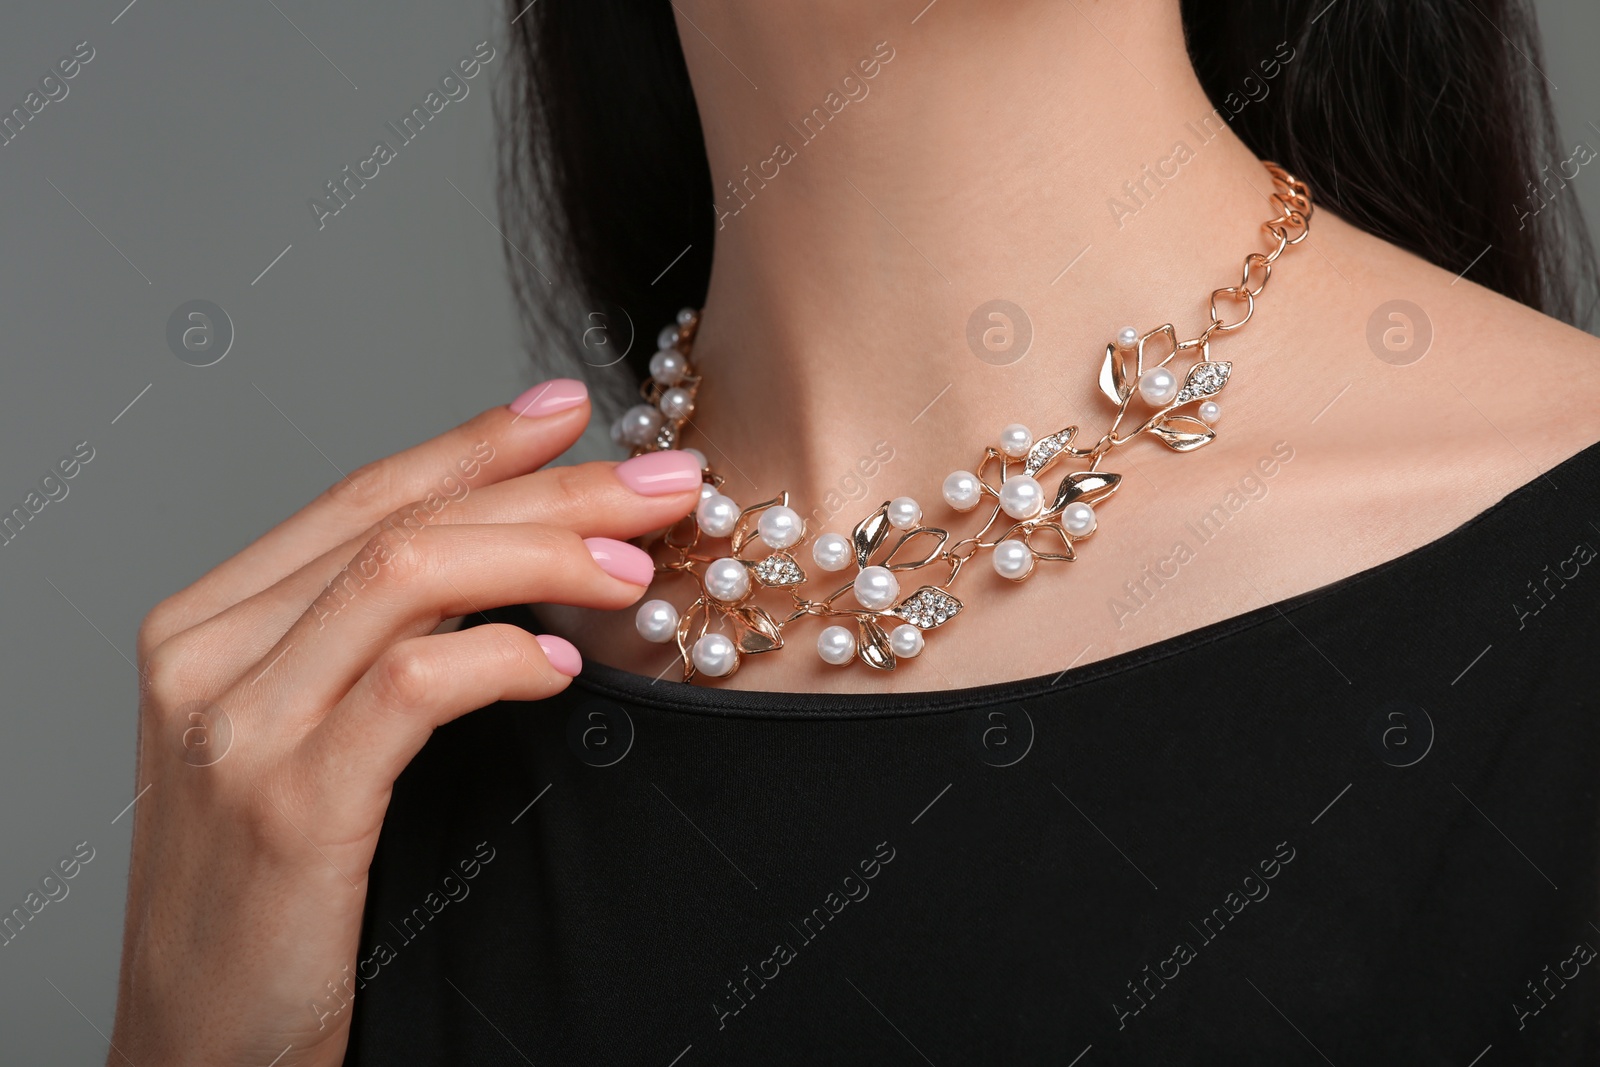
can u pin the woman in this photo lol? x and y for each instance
(1292, 761)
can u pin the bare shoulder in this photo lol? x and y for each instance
(1536, 379)
(1481, 372)
(1419, 400)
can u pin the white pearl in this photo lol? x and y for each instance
(904, 513)
(687, 316)
(1158, 386)
(707, 491)
(668, 337)
(1210, 412)
(656, 621)
(962, 490)
(833, 552)
(717, 515)
(727, 580)
(1012, 559)
(1077, 518)
(1127, 337)
(715, 654)
(668, 366)
(700, 457)
(1015, 440)
(905, 640)
(677, 403)
(617, 433)
(876, 588)
(780, 527)
(836, 645)
(1021, 497)
(640, 424)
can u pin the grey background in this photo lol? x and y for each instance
(192, 141)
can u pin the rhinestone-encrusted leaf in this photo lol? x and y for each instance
(928, 608)
(778, 571)
(1205, 379)
(1047, 448)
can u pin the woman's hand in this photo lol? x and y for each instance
(285, 690)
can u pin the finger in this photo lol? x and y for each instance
(500, 443)
(397, 588)
(598, 499)
(420, 684)
(592, 499)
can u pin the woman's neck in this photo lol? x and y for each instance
(881, 179)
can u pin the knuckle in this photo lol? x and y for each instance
(404, 678)
(391, 553)
(415, 515)
(364, 490)
(337, 594)
(171, 673)
(554, 545)
(515, 649)
(575, 480)
(163, 621)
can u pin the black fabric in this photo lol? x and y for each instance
(1356, 827)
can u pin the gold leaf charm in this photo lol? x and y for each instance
(1091, 487)
(939, 538)
(758, 632)
(1115, 382)
(870, 533)
(691, 627)
(872, 645)
(682, 535)
(1049, 529)
(1182, 433)
(1148, 359)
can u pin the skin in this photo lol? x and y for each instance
(992, 140)
(989, 147)
(248, 875)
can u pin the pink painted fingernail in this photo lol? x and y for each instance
(660, 473)
(561, 654)
(621, 560)
(547, 398)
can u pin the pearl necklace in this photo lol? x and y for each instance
(875, 624)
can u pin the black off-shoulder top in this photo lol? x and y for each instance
(1356, 827)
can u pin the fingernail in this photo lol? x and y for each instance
(547, 398)
(561, 654)
(622, 560)
(660, 473)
